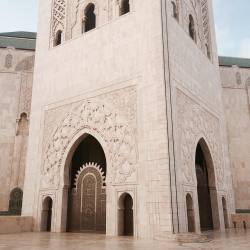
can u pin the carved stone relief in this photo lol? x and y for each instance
(87, 209)
(27, 64)
(193, 122)
(8, 61)
(112, 116)
(200, 12)
(58, 17)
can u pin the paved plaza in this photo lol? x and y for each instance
(231, 240)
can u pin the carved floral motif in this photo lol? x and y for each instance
(112, 117)
(193, 122)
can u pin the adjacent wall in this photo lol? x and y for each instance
(16, 76)
(236, 98)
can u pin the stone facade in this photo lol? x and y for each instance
(236, 97)
(16, 78)
(143, 80)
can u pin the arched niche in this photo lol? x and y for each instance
(225, 212)
(125, 215)
(58, 38)
(47, 213)
(191, 28)
(89, 20)
(124, 7)
(15, 202)
(190, 213)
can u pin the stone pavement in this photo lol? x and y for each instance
(231, 240)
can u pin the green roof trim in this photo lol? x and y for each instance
(19, 40)
(230, 61)
(20, 34)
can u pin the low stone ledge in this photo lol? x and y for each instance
(241, 220)
(15, 224)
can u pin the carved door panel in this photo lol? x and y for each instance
(88, 203)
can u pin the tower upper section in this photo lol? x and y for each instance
(195, 18)
(71, 18)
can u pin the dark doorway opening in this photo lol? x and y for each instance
(125, 7)
(204, 196)
(58, 38)
(190, 214)
(126, 215)
(225, 213)
(46, 215)
(90, 18)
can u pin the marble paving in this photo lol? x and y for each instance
(230, 240)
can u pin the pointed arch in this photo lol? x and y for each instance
(46, 216)
(190, 213)
(15, 202)
(175, 13)
(125, 215)
(86, 173)
(225, 212)
(58, 38)
(206, 187)
(89, 20)
(191, 28)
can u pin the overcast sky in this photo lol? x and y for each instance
(232, 21)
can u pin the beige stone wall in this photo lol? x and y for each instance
(112, 67)
(236, 93)
(16, 73)
(197, 112)
(146, 92)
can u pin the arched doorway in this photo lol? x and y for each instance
(87, 190)
(46, 217)
(206, 188)
(190, 214)
(224, 205)
(15, 202)
(125, 215)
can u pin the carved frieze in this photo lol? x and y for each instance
(58, 16)
(195, 122)
(112, 116)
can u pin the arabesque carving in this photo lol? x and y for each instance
(59, 16)
(112, 117)
(193, 122)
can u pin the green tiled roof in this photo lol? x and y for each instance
(20, 34)
(19, 40)
(230, 61)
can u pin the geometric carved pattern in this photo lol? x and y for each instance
(59, 15)
(112, 117)
(205, 21)
(193, 123)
